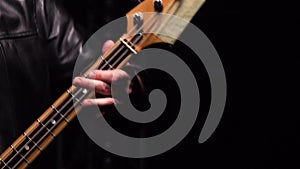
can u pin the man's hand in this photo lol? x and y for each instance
(100, 80)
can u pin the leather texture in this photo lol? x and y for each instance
(39, 45)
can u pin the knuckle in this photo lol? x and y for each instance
(103, 88)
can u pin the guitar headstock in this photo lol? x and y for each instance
(151, 20)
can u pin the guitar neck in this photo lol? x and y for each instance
(52, 122)
(40, 134)
(24, 150)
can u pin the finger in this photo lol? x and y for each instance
(108, 76)
(99, 102)
(108, 44)
(99, 86)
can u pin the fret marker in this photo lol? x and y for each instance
(60, 114)
(26, 147)
(39, 148)
(84, 91)
(76, 99)
(53, 121)
(44, 126)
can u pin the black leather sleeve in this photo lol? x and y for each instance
(63, 39)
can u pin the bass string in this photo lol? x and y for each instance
(154, 24)
(35, 144)
(65, 104)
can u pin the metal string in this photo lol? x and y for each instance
(78, 101)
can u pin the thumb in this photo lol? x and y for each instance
(108, 44)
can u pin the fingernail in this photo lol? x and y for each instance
(92, 75)
(77, 80)
(86, 103)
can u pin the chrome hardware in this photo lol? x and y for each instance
(138, 19)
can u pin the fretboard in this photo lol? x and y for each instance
(24, 150)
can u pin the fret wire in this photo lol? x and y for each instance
(124, 53)
(14, 156)
(139, 30)
(75, 104)
(20, 155)
(54, 108)
(5, 164)
(122, 47)
(63, 116)
(69, 110)
(128, 46)
(68, 91)
(119, 49)
(109, 56)
(67, 103)
(115, 53)
(38, 147)
(36, 144)
(106, 62)
(58, 122)
(46, 128)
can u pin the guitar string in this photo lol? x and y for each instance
(58, 122)
(70, 109)
(141, 28)
(58, 112)
(33, 137)
(63, 116)
(6, 164)
(128, 34)
(135, 41)
(39, 131)
(49, 130)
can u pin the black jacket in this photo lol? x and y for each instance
(39, 44)
(38, 48)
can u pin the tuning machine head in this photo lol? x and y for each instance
(158, 5)
(138, 19)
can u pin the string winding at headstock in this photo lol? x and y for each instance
(149, 21)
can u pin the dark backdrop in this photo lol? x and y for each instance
(259, 128)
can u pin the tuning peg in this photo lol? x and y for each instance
(158, 6)
(138, 19)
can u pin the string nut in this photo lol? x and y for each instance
(158, 6)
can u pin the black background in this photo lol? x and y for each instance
(257, 44)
